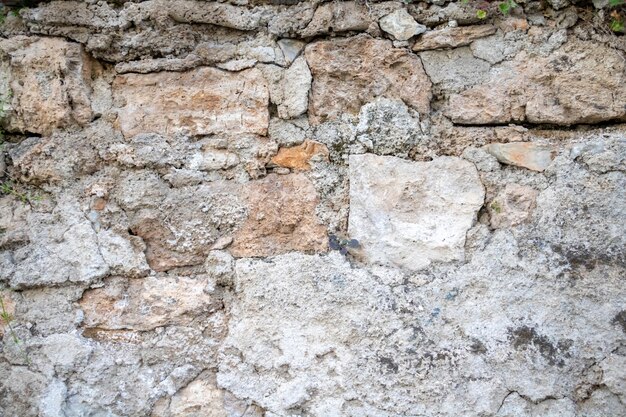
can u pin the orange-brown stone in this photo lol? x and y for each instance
(298, 157)
(281, 218)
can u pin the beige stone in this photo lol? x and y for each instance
(281, 218)
(199, 102)
(581, 82)
(528, 155)
(201, 398)
(350, 72)
(50, 84)
(401, 25)
(512, 206)
(338, 17)
(298, 157)
(147, 303)
(452, 37)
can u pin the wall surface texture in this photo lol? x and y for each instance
(278, 208)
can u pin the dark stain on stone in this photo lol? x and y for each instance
(477, 347)
(526, 337)
(620, 320)
(389, 363)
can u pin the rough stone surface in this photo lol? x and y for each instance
(281, 218)
(299, 157)
(146, 304)
(513, 206)
(577, 83)
(409, 214)
(50, 84)
(351, 72)
(200, 102)
(278, 208)
(452, 37)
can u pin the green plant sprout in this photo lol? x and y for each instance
(7, 319)
(8, 188)
(506, 6)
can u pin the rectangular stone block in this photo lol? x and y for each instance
(200, 102)
(409, 214)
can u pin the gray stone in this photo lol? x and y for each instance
(558, 4)
(401, 25)
(456, 69)
(388, 127)
(409, 214)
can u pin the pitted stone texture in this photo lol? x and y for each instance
(144, 304)
(388, 127)
(350, 72)
(407, 339)
(199, 102)
(452, 37)
(513, 206)
(201, 397)
(581, 82)
(281, 218)
(180, 228)
(50, 81)
(409, 214)
(454, 70)
(338, 17)
(49, 256)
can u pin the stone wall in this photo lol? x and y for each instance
(308, 208)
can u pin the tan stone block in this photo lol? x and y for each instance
(581, 82)
(348, 73)
(147, 303)
(452, 37)
(49, 80)
(199, 102)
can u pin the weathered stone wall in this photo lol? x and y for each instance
(308, 208)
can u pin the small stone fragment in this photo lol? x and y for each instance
(290, 48)
(295, 87)
(220, 267)
(513, 206)
(522, 154)
(401, 25)
(298, 157)
(452, 37)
